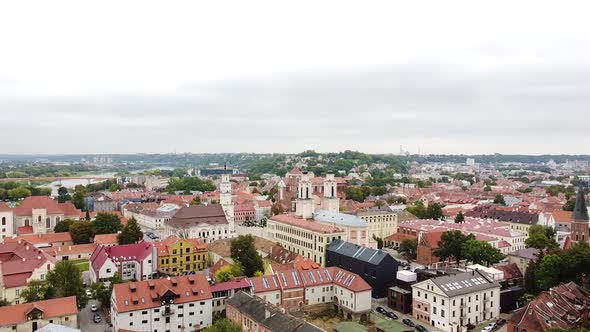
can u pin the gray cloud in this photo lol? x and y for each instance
(437, 108)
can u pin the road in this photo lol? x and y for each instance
(86, 319)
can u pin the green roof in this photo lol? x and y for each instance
(349, 327)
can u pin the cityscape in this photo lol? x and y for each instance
(266, 166)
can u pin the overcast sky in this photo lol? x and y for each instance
(249, 76)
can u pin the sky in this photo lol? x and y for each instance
(442, 77)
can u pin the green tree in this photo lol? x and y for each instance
(63, 226)
(223, 325)
(451, 245)
(4, 303)
(36, 290)
(64, 198)
(434, 211)
(548, 272)
(541, 237)
(481, 252)
(379, 241)
(18, 193)
(81, 232)
(409, 248)
(114, 187)
(66, 280)
(460, 218)
(79, 201)
(196, 201)
(499, 199)
(229, 272)
(570, 204)
(106, 223)
(530, 280)
(487, 188)
(131, 233)
(418, 209)
(62, 191)
(244, 251)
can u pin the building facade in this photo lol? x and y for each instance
(135, 261)
(176, 255)
(32, 316)
(206, 222)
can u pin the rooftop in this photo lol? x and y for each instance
(17, 313)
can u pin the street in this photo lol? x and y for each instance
(86, 319)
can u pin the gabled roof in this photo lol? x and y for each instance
(354, 251)
(17, 313)
(25, 208)
(126, 252)
(193, 215)
(464, 283)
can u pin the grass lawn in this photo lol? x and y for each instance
(83, 264)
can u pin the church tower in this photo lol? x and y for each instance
(330, 201)
(225, 199)
(579, 225)
(304, 205)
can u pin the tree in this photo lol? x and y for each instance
(487, 188)
(102, 292)
(548, 272)
(418, 209)
(106, 223)
(62, 191)
(499, 199)
(66, 280)
(131, 233)
(114, 187)
(258, 274)
(79, 201)
(36, 290)
(196, 201)
(481, 252)
(18, 193)
(530, 280)
(87, 218)
(379, 241)
(4, 303)
(81, 231)
(276, 208)
(409, 248)
(244, 251)
(460, 218)
(63, 226)
(570, 204)
(223, 325)
(229, 272)
(451, 245)
(434, 211)
(541, 237)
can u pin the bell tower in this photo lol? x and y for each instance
(304, 205)
(225, 199)
(330, 201)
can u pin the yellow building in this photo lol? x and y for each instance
(176, 255)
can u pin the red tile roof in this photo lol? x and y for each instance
(163, 245)
(236, 283)
(120, 253)
(42, 238)
(85, 249)
(4, 207)
(19, 259)
(187, 289)
(17, 313)
(25, 208)
(24, 230)
(294, 220)
(106, 238)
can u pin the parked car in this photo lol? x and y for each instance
(487, 329)
(93, 308)
(97, 318)
(421, 328)
(408, 322)
(391, 315)
(381, 310)
(500, 321)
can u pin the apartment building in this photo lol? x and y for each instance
(176, 255)
(253, 314)
(451, 302)
(21, 262)
(159, 305)
(33, 316)
(382, 221)
(135, 261)
(302, 236)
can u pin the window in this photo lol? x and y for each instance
(144, 321)
(434, 299)
(442, 313)
(434, 310)
(442, 301)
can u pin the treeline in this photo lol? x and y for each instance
(188, 184)
(24, 171)
(18, 190)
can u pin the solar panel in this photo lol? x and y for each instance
(311, 276)
(274, 280)
(265, 282)
(284, 279)
(320, 276)
(295, 277)
(328, 276)
(350, 281)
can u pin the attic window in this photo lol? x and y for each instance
(174, 281)
(195, 290)
(191, 279)
(132, 287)
(151, 284)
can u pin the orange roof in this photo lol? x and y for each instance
(106, 238)
(293, 220)
(25, 208)
(163, 245)
(42, 238)
(17, 313)
(146, 294)
(400, 237)
(87, 248)
(562, 216)
(432, 238)
(4, 207)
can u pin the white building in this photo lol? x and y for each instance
(149, 217)
(451, 302)
(206, 222)
(6, 221)
(382, 222)
(172, 304)
(135, 261)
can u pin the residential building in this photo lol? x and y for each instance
(21, 262)
(44, 240)
(382, 221)
(304, 237)
(523, 257)
(100, 202)
(33, 316)
(451, 302)
(149, 216)
(106, 239)
(176, 255)
(71, 252)
(255, 315)
(170, 304)
(563, 307)
(6, 221)
(40, 214)
(136, 261)
(262, 209)
(222, 291)
(399, 299)
(244, 212)
(375, 266)
(207, 222)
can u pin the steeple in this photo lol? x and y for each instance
(225, 199)
(304, 203)
(580, 210)
(330, 201)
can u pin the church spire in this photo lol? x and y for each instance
(580, 209)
